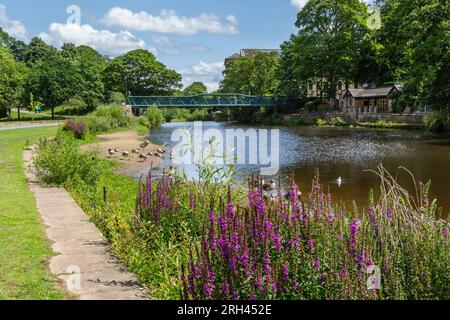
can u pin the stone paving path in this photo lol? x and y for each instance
(84, 262)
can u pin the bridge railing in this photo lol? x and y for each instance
(212, 100)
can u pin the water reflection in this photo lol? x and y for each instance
(347, 153)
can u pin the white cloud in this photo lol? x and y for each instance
(104, 41)
(12, 27)
(169, 22)
(208, 73)
(298, 3)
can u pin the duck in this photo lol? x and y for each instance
(111, 152)
(125, 154)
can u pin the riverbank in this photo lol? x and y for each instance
(125, 141)
(160, 235)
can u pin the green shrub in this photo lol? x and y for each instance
(100, 124)
(321, 122)
(116, 97)
(152, 118)
(116, 112)
(436, 122)
(58, 161)
(337, 122)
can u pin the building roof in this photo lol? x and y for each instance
(371, 93)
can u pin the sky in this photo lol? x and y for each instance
(193, 37)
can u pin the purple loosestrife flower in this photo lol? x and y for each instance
(223, 225)
(226, 289)
(317, 264)
(354, 233)
(267, 267)
(259, 284)
(276, 240)
(297, 242)
(244, 262)
(274, 286)
(310, 245)
(445, 234)
(285, 272)
(389, 214)
(230, 211)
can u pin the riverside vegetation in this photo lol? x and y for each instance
(211, 240)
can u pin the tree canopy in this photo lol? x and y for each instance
(53, 80)
(195, 88)
(416, 47)
(139, 73)
(253, 75)
(13, 75)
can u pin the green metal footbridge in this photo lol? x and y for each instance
(212, 101)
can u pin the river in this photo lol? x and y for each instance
(347, 153)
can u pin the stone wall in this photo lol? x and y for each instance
(361, 118)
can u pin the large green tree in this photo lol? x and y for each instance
(330, 41)
(16, 47)
(254, 74)
(139, 73)
(53, 80)
(416, 39)
(195, 88)
(36, 51)
(90, 65)
(12, 78)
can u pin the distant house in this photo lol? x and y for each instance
(249, 53)
(373, 100)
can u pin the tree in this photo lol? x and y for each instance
(36, 51)
(254, 75)
(90, 65)
(291, 81)
(16, 47)
(12, 78)
(329, 43)
(195, 88)
(416, 40)
(139, 73)
(53, 80)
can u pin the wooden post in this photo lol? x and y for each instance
(105, 194)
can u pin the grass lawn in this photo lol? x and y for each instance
(24, 249)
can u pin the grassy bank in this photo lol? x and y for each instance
(194, 238)
(24, 248)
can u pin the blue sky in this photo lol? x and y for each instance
(192, 37)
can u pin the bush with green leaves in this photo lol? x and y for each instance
(152, 118)
(337, 122)
(59, 161)
(116, 112)
(437, 122)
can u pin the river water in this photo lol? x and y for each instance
(347, 153)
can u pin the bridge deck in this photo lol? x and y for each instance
(211, 100)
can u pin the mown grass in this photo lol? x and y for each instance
(24, 250)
